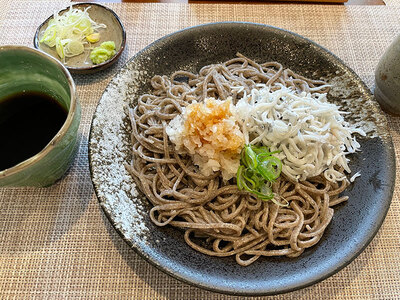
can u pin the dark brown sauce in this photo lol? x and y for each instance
(28, 122)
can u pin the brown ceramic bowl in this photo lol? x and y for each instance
(81, 64)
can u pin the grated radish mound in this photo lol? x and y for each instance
(210, 133)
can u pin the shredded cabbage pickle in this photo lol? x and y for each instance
(71, 32)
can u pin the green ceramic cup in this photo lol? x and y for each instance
(27, 69)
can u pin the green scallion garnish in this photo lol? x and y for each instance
(258, 170)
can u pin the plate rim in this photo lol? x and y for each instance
(371, 234)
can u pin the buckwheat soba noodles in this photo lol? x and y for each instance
(195, 188)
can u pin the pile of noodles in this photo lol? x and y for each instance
(217, 218)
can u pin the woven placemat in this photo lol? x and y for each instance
(56, 243)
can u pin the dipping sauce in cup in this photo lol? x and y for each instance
(39, 118)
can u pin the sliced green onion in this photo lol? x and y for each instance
(68, 32)
(60, 48)
(239, 177)
(260, 149)
(257, 171)
(249, 158)
(270, 168)
(266, 189)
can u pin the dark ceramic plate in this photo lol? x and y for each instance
(82, 64)
(354, 224)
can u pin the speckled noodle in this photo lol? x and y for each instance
(354, 224)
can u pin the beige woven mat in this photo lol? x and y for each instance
(55, 243)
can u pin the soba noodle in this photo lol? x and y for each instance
(217, 218)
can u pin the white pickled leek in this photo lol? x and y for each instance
(71, 32)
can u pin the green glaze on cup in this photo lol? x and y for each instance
(27, 69)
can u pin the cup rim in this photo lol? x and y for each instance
(64, 128)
